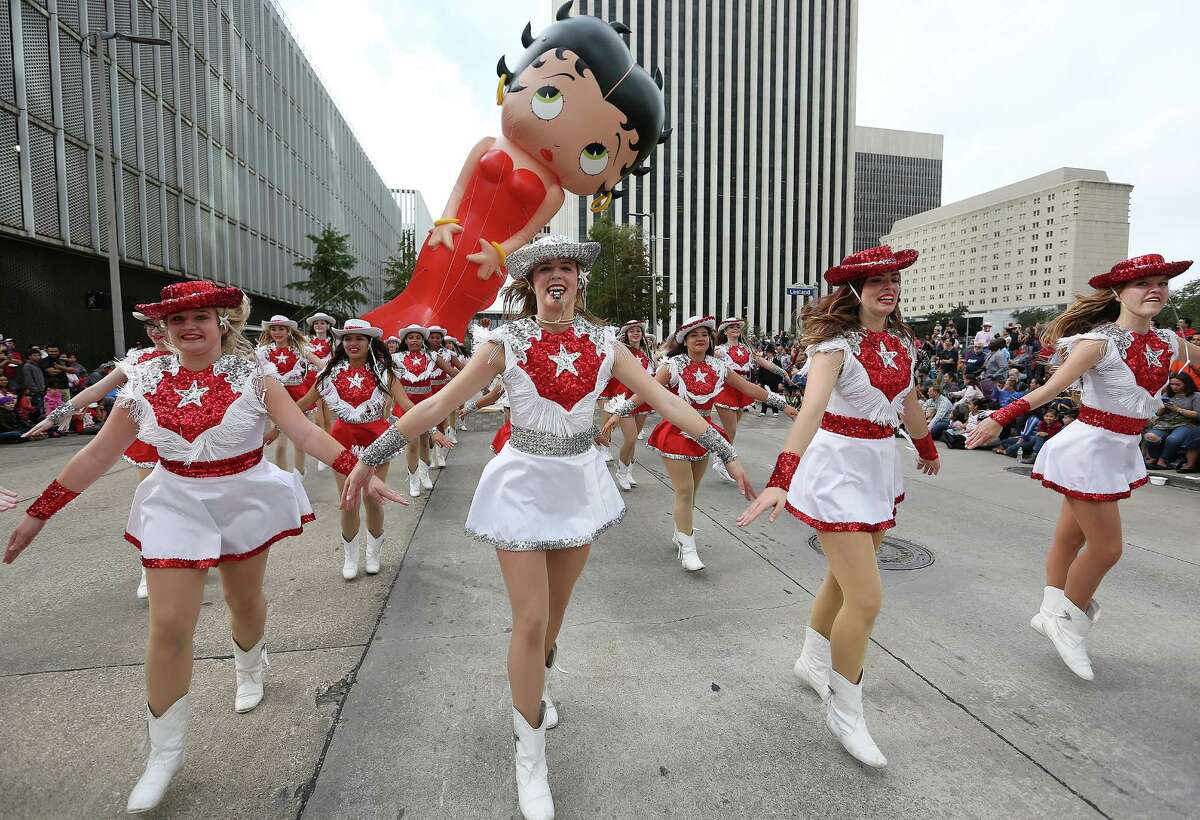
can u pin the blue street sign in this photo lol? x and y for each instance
(801, 290)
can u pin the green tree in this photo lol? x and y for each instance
(1186, 302)
(956, 315)
(619, 288)
(331, 286)
(398, 269)
(1033, 316)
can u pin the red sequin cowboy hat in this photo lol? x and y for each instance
(870, 262)
(1139, 267)
(191, 295)
(694, 322)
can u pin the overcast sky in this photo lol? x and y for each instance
(1018, 88)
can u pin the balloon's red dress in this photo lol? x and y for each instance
(445, 289)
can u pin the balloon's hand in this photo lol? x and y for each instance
(8, 499)
(444, 235)
(488, 260)
(772, 498)
(22, 537)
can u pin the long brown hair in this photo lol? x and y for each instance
(1085, 313)
(671, 347)
(520, 301)
(837, 313)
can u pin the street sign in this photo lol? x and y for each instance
(801, 290)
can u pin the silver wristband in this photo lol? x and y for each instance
(471, 406)
(716, 444)
(620, 406)
(60, 416)
(775, 401)
(384, 448)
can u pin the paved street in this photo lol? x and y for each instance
(387, 696)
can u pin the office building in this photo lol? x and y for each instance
(896, 174)
(1034, 243)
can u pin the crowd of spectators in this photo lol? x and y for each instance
(37, 379)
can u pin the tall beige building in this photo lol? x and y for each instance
(1031, 244)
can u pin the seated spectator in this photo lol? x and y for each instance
(1051, 425)
(1183, 326)
(974, 358)
(1023, 442)
(956, 436)
(1176, 420)
(937, 412)
(990, 390)
(969, 391)
(1191, 450)
(995, 365)
(1009, 392)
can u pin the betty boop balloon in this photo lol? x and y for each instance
(577, 114)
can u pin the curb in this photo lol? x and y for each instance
(1173, 480)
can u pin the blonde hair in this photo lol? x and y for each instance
(520, 300)
(233, 322)
(1085, 313)
(837, 313)
(296, 340)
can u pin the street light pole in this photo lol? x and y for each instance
(653, 274)
(90, 45)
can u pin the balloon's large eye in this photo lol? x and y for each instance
(593, 159)
(547, 102)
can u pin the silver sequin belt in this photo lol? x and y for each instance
(537, 443)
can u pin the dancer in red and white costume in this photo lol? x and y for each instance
(418, 368)
(212, 501)
(1108, 341)
(457, 359)
(441, 351)
(547, 495)
(633, 335)
(493, 395)
(141, 455)
(394, 344)
(321, 344)
(283, 346)
(359, 385)
(840, 471)
(697, 377)
(741, 359)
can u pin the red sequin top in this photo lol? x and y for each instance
(553, 379)
(615, 387)
(356, 395)
(198, 415)
(698, 383)
(1132, 371)
(876, 375)
(499, 200)
(292, 366)
(416, 370)
(321, 348)
(737, 357)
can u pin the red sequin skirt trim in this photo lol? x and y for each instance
(209, 563)
(140, 454)
(1069, 493)
(502, 436)
(846, 526)
(357, 435)
(1126, 425)
(731, 398)
(670, 442)
(856, 428)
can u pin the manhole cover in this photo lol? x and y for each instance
(894, 553)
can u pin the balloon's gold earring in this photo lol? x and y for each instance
(500, 89)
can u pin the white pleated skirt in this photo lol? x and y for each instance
(198, 523)
(846, 484)
(1091, 463)
(528, 502)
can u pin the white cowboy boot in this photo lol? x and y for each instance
(608, 456)
(439, 456)
(1068, 629)
(143, 588)
(533, 784)
(718, 467)
(845, 719)
(1052, 598)
(550, 715)
(814, 662)
(350, 562)
(629, 475)
(248, 671)
(686, 552)
(414, 483)
(320, 466)
(452, 434)
(423, 473)
(167, 736)
(374, 550)
(623, 476)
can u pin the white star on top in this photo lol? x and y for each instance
(700, 375)
(192, 395)
(281, 357)
(1153, 357)
(564, 361)
(356, 380)
(888, 357)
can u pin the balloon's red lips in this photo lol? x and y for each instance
(547, 155)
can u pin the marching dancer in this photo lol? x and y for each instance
(697, 377)
(840, 471)
(633, 335)
(212, 501)
(740, 358)
(286, 348)
(141, 455)
(458, 361)
(394, 344)
(1108, 341)
(418, 368)
(546, 497)
(320, 344)
(442, 352)
(493, 395)
(358, 385)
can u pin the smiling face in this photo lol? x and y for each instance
(556, 283)
(393, 346)
(879, 294)
(697, 342)
(1145, 297)
(435, 340)
(279, 333)
(558, 115)
(356, 346)
(732, 334)
(320, 327)
(635, 335)
(414, 341)
(195, 332)
(155, 333)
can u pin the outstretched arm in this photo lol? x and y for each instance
(767, 364)
(79, 401)
(758, 392)
(486, 400)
